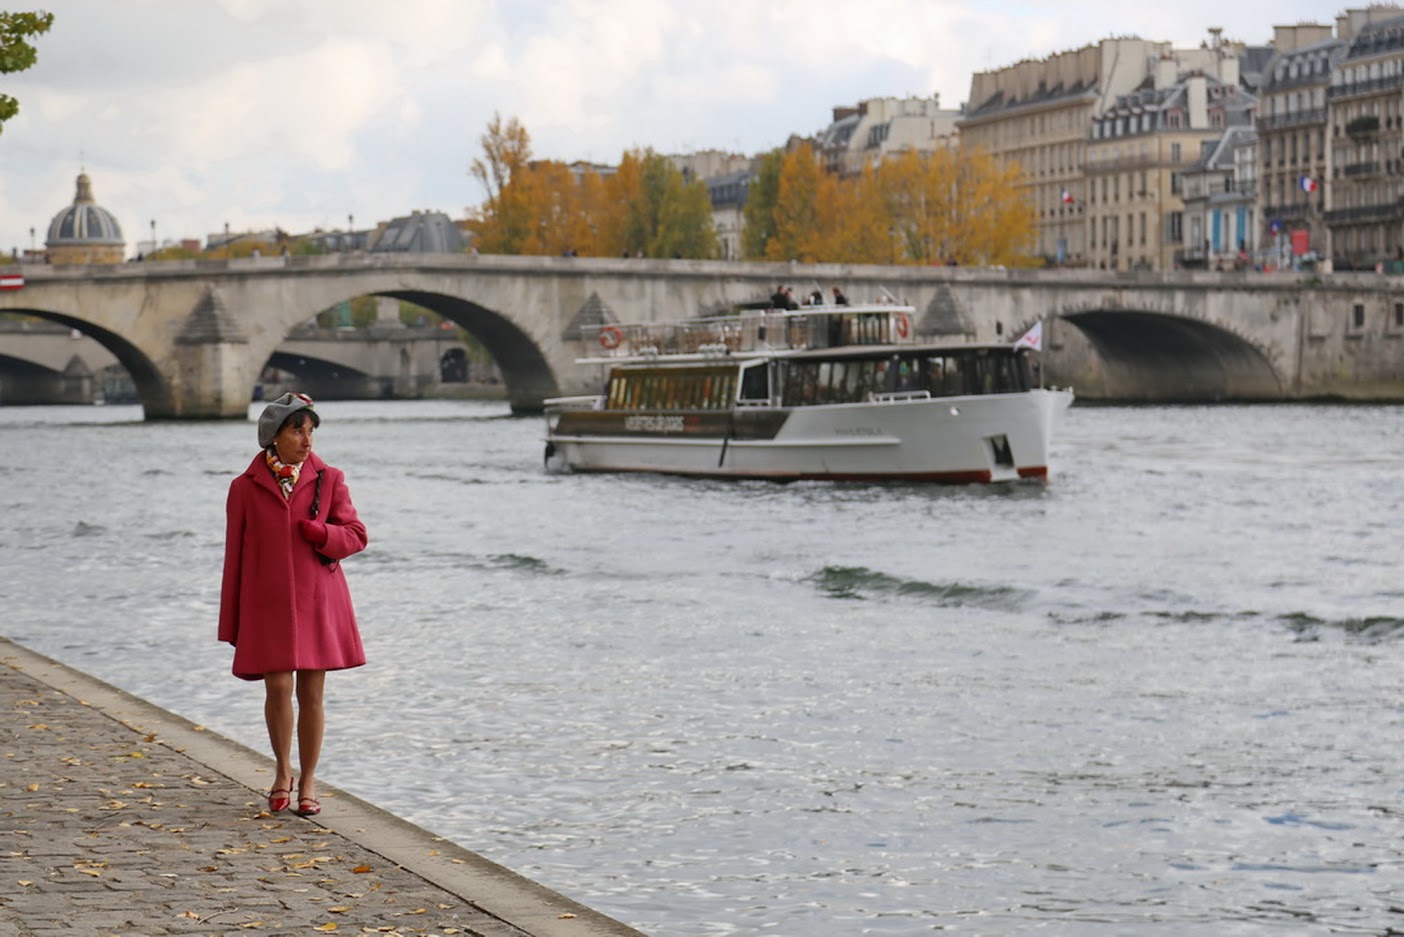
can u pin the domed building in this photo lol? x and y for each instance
(85, 232)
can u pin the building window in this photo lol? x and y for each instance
(1357, 316)
(1399, 315)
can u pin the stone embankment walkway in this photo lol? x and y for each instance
(119, 818)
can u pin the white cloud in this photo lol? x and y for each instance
(305, 110)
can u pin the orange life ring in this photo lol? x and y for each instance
(610, 337)
(904, 325)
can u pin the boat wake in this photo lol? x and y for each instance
(860, 582)
(1370, 630)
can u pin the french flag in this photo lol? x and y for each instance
(1308, 184)
(1067, 197)
(11, 281)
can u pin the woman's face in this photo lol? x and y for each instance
(294, 440)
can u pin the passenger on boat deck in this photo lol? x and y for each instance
(816, 298)
(839, 298)
(777, 298)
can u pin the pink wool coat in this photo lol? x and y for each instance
(280, 606)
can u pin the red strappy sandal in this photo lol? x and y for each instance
(280, 798)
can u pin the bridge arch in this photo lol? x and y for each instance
(315, 375)
(146, 375)
(1146, 355)
(526, 371)
(528, 374)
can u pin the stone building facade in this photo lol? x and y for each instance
(863, 135)
(1101, 134)
(1365, 216)
(1142, 148)
(1292, 152)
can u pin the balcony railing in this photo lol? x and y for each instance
(1288, 212)
(1316, 115)
(1365, 125)
(1362, 169)
(1386, 212)
(1369, 86)
(1137, 161)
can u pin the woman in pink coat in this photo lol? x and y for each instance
(284, 604)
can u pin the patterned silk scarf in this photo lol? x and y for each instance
(285, 474)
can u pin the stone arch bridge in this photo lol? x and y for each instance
(44, 362)
(194, 335)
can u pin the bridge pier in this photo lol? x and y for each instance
(211, 372)
(211, 381)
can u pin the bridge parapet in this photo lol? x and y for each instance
(1138, 335)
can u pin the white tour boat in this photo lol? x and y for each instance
(842, 393)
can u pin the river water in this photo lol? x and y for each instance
(1159, 694)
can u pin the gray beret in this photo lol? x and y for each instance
(273, 416)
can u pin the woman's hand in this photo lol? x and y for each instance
(314, 532)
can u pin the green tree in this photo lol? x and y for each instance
(664, 214)
(761, 198)
(16, 53)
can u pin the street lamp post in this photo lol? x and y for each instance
(153, 235)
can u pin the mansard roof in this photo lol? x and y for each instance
(428, 232)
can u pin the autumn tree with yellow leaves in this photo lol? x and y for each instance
(952, 206)
(644, 208)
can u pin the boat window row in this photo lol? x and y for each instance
(853, 380)
(800, 383)
(672, 389)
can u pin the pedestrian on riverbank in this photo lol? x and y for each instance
(284, 603)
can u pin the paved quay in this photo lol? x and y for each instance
(119, 818)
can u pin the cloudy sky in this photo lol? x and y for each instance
(301, 113)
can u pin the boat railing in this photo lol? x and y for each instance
(755, 330)
(582, 402)
(901, 395)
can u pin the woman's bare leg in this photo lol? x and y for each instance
(278, 713)
(311, 723)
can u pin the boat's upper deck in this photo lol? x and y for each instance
(761, 331)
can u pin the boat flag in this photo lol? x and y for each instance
(11, 281)
(1308, 184)
(1033, 338)
(1067, 197)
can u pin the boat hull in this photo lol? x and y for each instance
(974, 439)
